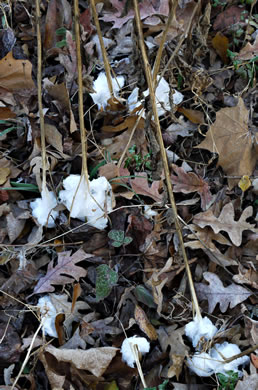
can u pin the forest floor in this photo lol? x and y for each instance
(128, 198)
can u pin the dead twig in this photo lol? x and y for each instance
(103, 49)
(164, 156)
(173, 5)
(183, 37)
(80, 91)
(41, 114)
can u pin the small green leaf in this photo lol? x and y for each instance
(117, 244)
(160, 387)
(117, 235)
(106, 279)
(143, 295)
(127, 240)
(61, 44)
(61, 31)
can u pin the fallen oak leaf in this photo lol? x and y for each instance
(146, 9)
(64, 272)
(141, 186)
(95, 360)
(215, 293)
(226, 222)
(230, 138)
(187, 182)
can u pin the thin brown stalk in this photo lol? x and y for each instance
(130, 138)
(135, 351)
(173, 5)
(183, 37)
(164, 156)
(103, 49)
(27, 355)
(80, 90)
(244, 353)
(41, 115)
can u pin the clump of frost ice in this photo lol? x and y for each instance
(149, 213)
(85, 201)
(198, 328)
(211, 362)
(42, 208)
(133, 99)
(207, 364)
(102, 94)
(48, 315)
(126, 350)
(162, 97)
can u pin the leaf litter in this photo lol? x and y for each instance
(95, 266)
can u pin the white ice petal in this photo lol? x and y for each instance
(201, 364)
(200, 328)
(48, 315)
(127, 353)
(102, 94)
(42, 208)
(87, 203)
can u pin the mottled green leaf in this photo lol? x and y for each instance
(143, 295)
(106, 279)
(127, 240)
(117, 235)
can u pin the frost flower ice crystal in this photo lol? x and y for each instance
(207, 364)
(43, 208)
(198, 328)
(90, 201)
(126, 350)
(102, 94)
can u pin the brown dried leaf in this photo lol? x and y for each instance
(249, 382)
(247, 276)
(251, 330)
(206, 237)
(249, 51)
(187, 182)
(227, 18)
(226, 222)
(141, 186)
(51, 25)
(254, 359)
(53, 137)
(215, 293)
(4, 173)
(15, 74)
(230, 138)
(146, 9)
(64, 272)
(95, 360)
(173, 338)
(221, 44)
(144, 323)
(194, 116)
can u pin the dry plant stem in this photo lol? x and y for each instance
(41, 115)
(173, 5)
(135, 351)
(183, 37)
(246, 352)
(103, 49)
(80, 90)
(130, 139)
(164, 158)
(27, 355)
